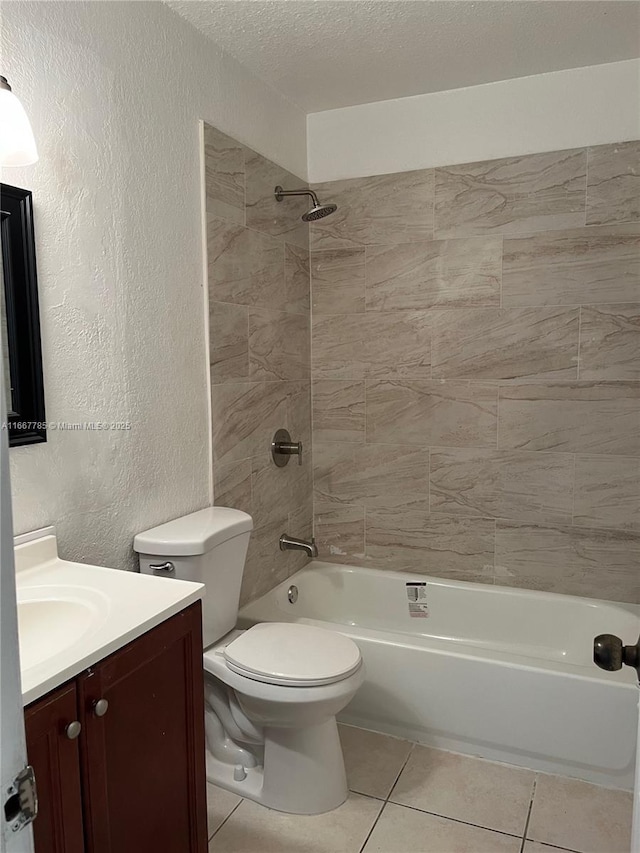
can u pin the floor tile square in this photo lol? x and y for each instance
(402, 830)
(469, 789)
(255, 829)
(372, 760)
(580, 816)
(220, 804)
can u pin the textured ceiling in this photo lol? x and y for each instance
(323, 54)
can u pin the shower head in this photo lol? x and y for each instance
(318, 211)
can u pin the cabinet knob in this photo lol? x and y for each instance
(100, 707)
(73, 730)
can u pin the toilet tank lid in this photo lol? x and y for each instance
(193, 534)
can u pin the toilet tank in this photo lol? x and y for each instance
(208, 546)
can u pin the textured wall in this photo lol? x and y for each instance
(476, 371)
(115, 92)
(258, 268)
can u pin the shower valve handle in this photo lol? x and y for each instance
(610, 654)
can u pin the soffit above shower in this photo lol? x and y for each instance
(325, 54)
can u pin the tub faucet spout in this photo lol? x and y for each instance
(290, 543)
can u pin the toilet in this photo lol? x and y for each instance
(272, 691)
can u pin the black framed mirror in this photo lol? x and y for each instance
(20, 318)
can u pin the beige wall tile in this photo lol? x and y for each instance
(409, 831)
(432, 412)
(396, 208)
(245, 417)
(263, 212)
(512, 343)
(610, 341)
(613, 183)
(297, 279)
(468, 789)
(572, 267)
(571, 560)
(299, 417)
(573, 417)
(607, 492)
(224, 175)
(245, 267)
(229, 342)
(279, 345)
(277, 491)
(502, 484)
(232, 485)
(339, 531)
(337, 281)
(339, 410)
(362, 473)
(405, 537)
(440, 272)
(535, 192)
(574, 814)
(374, 345)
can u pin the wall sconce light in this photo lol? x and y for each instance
(17, 145)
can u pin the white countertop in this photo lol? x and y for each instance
(72, 615)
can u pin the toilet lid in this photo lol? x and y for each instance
(293, 655)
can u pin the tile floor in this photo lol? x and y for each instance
(407, 798)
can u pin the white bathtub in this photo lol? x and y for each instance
(502, 673)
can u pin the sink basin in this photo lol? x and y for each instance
(52, 619)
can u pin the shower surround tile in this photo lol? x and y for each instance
(363, 473)
(395, 208)
(593, 562)
(232, 485)
(279, 345)
(607, 492)
(502, 484)
(339, 530)
(432, 412)
(572, 417)
(572, 267)
(535, 192)
(229, 337)
(613, 184)
(245, 267)
(263, 212)
(337, 281)
(509, 343)
(339, 410)
(610, 341)
(224, 175)
(406, 537)
(373, 345)
(437, 273)
(296, 279)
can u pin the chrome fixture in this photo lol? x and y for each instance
(290, 543)
(282, 448)
(318, 211)
(609, 653)
(292, 594)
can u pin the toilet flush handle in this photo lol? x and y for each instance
(162, 568)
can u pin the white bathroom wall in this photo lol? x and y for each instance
(547, 112)
(115, 92)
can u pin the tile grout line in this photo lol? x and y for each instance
(386, 800)
(526, 823)
(233, 810)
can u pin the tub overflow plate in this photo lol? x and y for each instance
(292, 594)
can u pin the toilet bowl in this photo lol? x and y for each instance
(272, 692)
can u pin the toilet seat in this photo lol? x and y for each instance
(292, 655)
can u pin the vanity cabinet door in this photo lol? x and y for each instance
(143, 746)
(52, 748)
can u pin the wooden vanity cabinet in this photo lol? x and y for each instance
(134, 780)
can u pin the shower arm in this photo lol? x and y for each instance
(280, 194)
